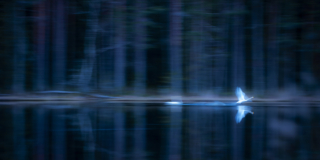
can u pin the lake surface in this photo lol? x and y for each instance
(138, 131)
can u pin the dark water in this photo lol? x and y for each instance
(154, 131)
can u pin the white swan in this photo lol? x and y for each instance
(241, 96)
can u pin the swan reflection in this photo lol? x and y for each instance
(242, 111)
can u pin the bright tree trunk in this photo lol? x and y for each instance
(89, 46)
(238, 61)
(106, 54)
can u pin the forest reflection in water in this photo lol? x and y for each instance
(154, 131)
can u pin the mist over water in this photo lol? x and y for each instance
(154, 131)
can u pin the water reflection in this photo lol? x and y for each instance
(242, 111)
(153, 131)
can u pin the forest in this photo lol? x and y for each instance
(159, 47)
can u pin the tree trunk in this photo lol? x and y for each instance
(20, 48)
(220, 60)
(204, 58)
(289, 46)
(140, 47)
(120, 44)
(106, 58)
(59, 45)
(175, 43)
(257, 47)
(40, 49)
(308, 81)
(89, 46)
(238, 59)
(102, 56)
(194, 54)
(273, 48)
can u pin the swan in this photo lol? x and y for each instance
(241, 96)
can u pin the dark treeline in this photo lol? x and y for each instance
(157, 47)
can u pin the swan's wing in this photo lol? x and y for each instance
(241, 96)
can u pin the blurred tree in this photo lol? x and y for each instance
(195, 51)
(272, 80)
(175, 44)
(238, 55)
(89, 44)
(308, 37)
(59, 44)
(258, 69)
(206, 41)
(20, 46)
(140, 46)
(120, 44)
(289, 44)
(82, 41)
(40, 49)
(105, 54)
(220, 58)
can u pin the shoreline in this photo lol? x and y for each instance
(142, 99)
